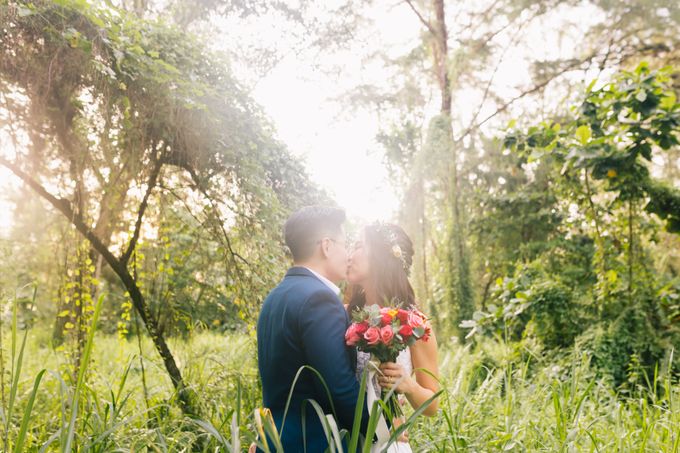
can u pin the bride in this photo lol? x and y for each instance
(378, 273)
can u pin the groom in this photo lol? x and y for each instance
(303, 323)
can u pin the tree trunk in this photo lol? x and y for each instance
(184, 394)
(460, 292)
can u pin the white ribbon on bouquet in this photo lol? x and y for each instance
(382, 431)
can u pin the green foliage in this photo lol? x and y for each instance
(670, 300)
(664, 201)
(532, 304)
(624, 347)
(130, 98)
(598, 288)
(614, 132)
(556, 315)
(527, 217)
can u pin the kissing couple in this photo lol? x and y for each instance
(303, 324)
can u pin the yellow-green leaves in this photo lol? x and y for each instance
(668, 102)
(583, 134)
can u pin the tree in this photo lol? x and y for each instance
(117, 109)
(459, 70)
(602, 155)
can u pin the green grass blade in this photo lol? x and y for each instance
(235, 439)
(27, 413)
(373, 419)
(409, 422)
(267, 431)
(292, 388)
(210, 429)
(358, 413)
(322, 418)
(337, 438)
(50, 441)
(577, 411)
(561, 429)
(70, 434)
(16, 366)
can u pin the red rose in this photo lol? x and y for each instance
(351, 336)
(402, 315)
(406, 331)
(427, 334)
(386, 334)
(372, 335)
(386, 319)
(362, 327)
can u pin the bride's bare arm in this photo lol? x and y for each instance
(424, 357)
(420, 389)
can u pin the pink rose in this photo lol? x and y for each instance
(415, 320)
(352, 336)
(362, 327)
(386, 334)
(372, 335)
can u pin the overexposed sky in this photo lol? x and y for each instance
(338, 145)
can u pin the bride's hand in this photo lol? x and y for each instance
(403, 437)
(393, 375)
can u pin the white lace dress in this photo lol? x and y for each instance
(404, 359)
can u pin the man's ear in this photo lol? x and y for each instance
(325, 247)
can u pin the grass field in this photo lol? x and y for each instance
(496, 398)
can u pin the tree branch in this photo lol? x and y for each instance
(421, 18)
(64, 206)
(153, 179)
(498, 64)
(197, 182)
(527, 92)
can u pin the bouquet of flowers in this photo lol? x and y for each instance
(384, 332)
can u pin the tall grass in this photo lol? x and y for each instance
(493, 399)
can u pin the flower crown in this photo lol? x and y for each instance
(390, 236)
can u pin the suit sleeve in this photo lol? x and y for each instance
(323, 322)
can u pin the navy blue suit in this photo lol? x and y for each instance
(303, 322)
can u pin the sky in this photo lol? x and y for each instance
(340, 153)
(338, 146)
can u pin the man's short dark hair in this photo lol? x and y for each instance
(306, 226)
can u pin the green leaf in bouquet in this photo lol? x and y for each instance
(359, 315)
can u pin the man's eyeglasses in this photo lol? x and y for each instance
(346, 244)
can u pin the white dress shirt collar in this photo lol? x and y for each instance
(327, 282)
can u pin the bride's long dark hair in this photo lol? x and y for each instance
(390, 259)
